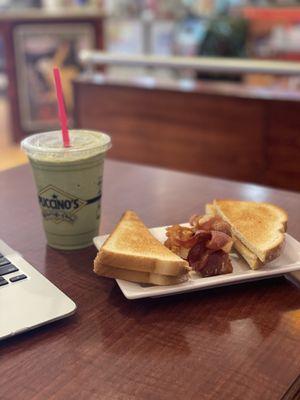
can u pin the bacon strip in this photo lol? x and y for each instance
(209, 262)
(220, 241)
(199, 236)
(218, 263)
(210, 256)
(206, 245)
(214, 224)
(197, 256)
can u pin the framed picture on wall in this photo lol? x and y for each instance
(38, 49)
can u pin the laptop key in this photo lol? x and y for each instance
(4, 261)
(18, 278)
(8, 269)
(3, 281)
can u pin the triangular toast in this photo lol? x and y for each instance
(258, 226)
(132, 247)
(252, 259)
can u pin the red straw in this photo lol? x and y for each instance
(61, 108)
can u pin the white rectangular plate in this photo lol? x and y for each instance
(288, 261)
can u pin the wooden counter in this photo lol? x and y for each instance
(226, 130)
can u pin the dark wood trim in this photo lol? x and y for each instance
(6, 32)
(293, 393)
(247, 139)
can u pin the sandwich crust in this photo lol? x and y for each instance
(139, 276)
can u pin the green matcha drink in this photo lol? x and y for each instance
(69, 182)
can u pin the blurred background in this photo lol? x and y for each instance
(123, 72)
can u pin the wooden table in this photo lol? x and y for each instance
(238, 342)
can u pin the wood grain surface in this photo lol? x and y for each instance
(237, 342)
(181, 130)
(293, 393)
(217, 132)
(284, 145)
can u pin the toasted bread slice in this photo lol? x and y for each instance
(138, 276)
(259, 226)
(132, 247)
(248, 255)
(252, 259)
(210, 209)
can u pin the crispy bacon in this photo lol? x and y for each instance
(218, 263)
(199, 236)
(185, 237)
(197, 220)
(180, 235)
(197, 256)
(214, 224)
(206, 245)
(220, 241)
(208, 262)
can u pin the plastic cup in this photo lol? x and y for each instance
(69, 184)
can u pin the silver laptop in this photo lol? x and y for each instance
(27, 298)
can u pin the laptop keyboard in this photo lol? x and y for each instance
(7, 268)
(3, 281)
(4, 261)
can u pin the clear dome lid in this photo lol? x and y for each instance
(49, 146)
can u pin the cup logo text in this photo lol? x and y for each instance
(59, 206)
